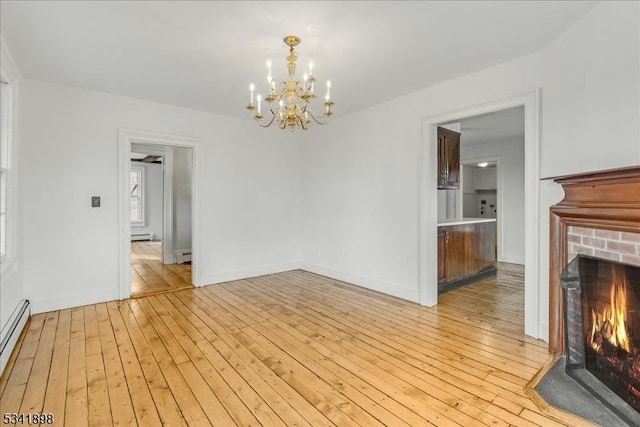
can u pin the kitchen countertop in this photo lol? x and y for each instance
(460, 221)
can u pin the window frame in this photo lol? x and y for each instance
(6, 169)
(141, 171)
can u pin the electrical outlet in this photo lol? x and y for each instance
(95, 201)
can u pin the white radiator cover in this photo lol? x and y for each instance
(12, 330)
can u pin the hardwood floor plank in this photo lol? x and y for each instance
(120, 397)
(143, 405)
(33, 399)
(16, 382)
(77, 406)
(55, 397)
(99, 407)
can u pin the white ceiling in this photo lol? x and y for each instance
(505, 125)
(204, 55)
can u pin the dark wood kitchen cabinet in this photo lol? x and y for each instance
(448, 159)
(465, 251)
(442, 254)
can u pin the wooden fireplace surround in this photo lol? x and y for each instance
(608, 199)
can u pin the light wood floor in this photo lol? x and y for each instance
(292, 348)
(149, 275)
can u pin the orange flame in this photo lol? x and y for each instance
(611, 323)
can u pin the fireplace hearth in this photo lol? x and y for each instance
(601, 302)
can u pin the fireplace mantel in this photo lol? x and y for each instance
(606, 200)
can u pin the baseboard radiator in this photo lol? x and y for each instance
(141, 236)
(183, 255)
(12, 330)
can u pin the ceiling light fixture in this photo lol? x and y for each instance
(483, 164)
(291, 99)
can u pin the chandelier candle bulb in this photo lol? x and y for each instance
(293, 97)
(252, 87)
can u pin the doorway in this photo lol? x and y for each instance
(428, 209)
(158, 219)
(160, 208)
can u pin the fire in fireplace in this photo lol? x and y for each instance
(602, 321)
(610, 297)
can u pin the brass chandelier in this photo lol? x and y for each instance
(290, 102)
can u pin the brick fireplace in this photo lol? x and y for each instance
(595, 259)
(599, 216)
(612, 245)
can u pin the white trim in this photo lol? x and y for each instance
(366, 282)
(511, 260)
(126, 137)
(428, 211)
(10, 73)
(229, 276)
(75, 299)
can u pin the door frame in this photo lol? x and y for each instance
(127, 138)
(428, 196)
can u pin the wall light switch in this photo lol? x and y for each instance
(95, 201)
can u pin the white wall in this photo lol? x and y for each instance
(182, 170)
(591, 106)
(591, 87)
(469, 195)
(360, 180)
(153, 199)
(448, 204)
(510, 189)
(249, 199)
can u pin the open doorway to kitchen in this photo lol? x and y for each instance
(527, 106)
(480, 215)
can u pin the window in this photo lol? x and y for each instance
(137, 196)
(5, 141)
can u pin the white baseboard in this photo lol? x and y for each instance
(365, 282)
(229, 276)
(72, 300)
(511, 260)
(543, 332)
